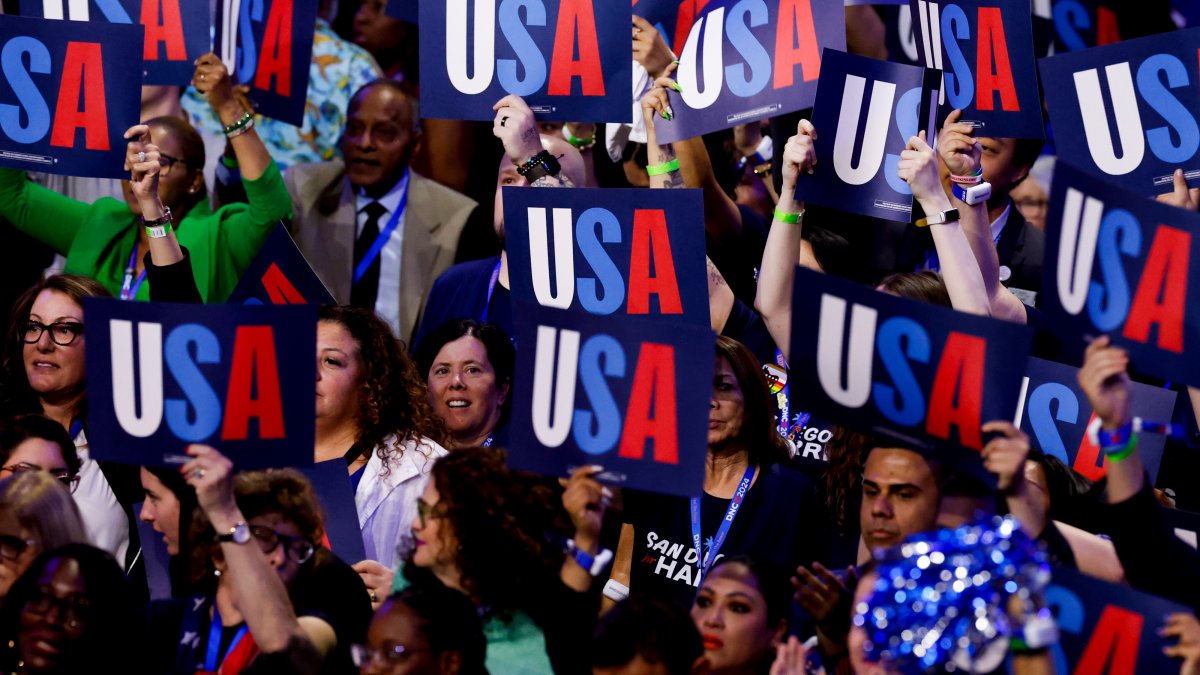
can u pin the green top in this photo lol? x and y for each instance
(98, 238)
(515, 646)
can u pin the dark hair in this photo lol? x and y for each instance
(192, 148)
(1025, 153)
(449, 621)
(772, 581)
(1067, 490)
(393, 398)
(496, 343)
(186, 496)
(500, 519)
(758, 433)
(925, 286)
(107, 637)
(285, 492)
(16, 430)
(396, 86)
(641, 625)
(847, 452)
(832, 251)
(16, 396)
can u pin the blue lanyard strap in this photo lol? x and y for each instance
(214, 642)
(487, 304)
(705, 562)
(129, 287)
(785, 400)
(377, 247)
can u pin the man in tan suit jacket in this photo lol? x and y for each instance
(343, 208)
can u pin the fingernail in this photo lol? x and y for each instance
(676, 86)
(594, 468)
(675, 61)
(665, 115)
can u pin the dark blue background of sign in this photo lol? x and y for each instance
(684, 213)
(1095, 595)
(824, 187)
(335, 493)
(694, 352)
(280, 250)
(1063, 104)
(196, 21)
(1184, 520)
(1075, 23)
(663, 15)
(405, 10)
(290, 108)
(829, 21)
(295, 344)
(1149, 403)
(1147, 358)
(122, 50)
(1007, 349)
(441, 100)
(1018, 33)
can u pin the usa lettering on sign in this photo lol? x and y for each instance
(69, 90)
(1082, 24)
(608, 252)
(746, 60)
(177, 31)
(628, 393)
(985, 50)
(856, 161)
(924, 375)
(162, 376)
(1056, 414)
(279, 275)
(267, 44)
(1120, 264)
(569, 59)
(1108, 628)
(1146, 92)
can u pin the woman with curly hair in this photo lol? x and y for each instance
(373, 413)
(495, 535)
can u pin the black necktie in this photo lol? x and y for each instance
(363, 292)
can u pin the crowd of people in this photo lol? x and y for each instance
(812, 547)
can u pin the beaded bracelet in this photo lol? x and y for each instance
(244, 124)
(580, 144)
(665, 167)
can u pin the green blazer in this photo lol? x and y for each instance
(98, 238)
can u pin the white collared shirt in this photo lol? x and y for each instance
(387, 301)
(999, 223)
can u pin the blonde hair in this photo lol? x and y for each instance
(44, 507)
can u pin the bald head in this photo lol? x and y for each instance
(568, 158)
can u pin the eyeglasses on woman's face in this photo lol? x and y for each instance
(298, 549)
(365, 656)
(61, 475)
(12, 546)
(62, 333)
(427, 512)
(74, 609)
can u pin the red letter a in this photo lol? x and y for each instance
(168, 30)
(653, 385)
(795, 43)
(253, 361)
(83, 66)
(993, 76)
(1117, 633)
(576, 18)
(276, 58)
(1161, 295)
(279, 289)
(650, 238)
(957, 395)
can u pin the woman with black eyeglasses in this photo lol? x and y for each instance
(42, 371)
(36, 515)
(38, 443)
(71, 612)
(108, 239)
(268, 597)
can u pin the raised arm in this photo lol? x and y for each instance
(773, 299)
(142, 161)
(211, 79)
(270, 615)
(960, 152)
(664, 172)
(918, 168)
(516, 127)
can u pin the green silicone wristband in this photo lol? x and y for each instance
(1126, 450)
(665, 167)
(788, 217)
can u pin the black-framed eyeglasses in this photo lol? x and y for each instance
(375, 657)
(166, 162)
(74, 609)
(298, 549)
(425, 511)
(61, 475)
(12, 546)
(61, 332)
